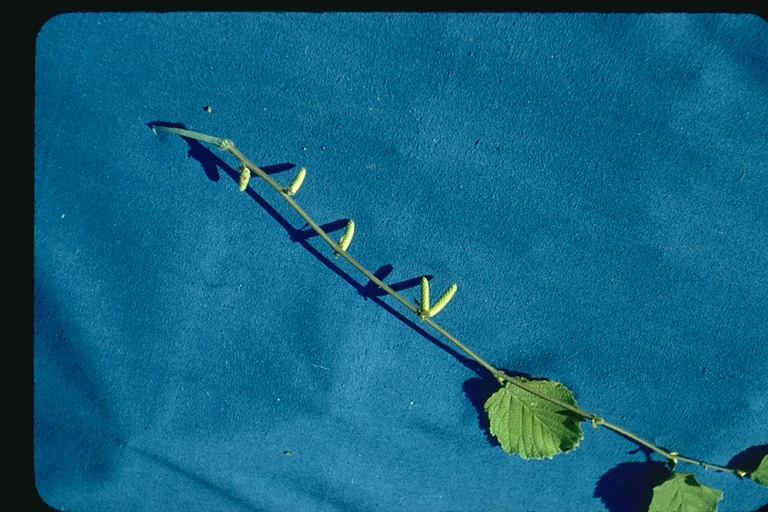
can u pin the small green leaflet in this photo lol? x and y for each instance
(682, 493)
(531, 426)
(760, 475)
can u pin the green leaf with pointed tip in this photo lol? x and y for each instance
(760, 475)
(531, 426)
(682, 493)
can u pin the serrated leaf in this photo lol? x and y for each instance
(760, 475)
(531, 426)
(682, 493)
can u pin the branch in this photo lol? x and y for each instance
(423, 312)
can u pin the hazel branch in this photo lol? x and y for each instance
(425, 311)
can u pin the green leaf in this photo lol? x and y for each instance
(531, 426)
(760, 475)
(682, 493)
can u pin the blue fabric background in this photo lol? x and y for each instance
(595, 184)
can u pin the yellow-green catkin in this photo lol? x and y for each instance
(296, 183)
(245, 176)
(346, 238)
(424, 294)
(442, 301)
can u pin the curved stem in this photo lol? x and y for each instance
(227, 145)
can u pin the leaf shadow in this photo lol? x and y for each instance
(211, 164)
(628, 486)
(477, 390)
(749, 459)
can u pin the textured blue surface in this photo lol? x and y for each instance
(595, 184)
